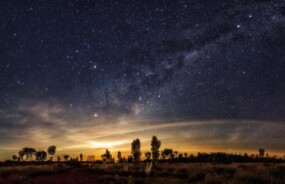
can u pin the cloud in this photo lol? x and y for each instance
(45, 125)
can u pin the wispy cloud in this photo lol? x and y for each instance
(43, 125)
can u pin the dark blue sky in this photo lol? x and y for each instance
(161, 61)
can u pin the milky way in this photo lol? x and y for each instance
(69, 65)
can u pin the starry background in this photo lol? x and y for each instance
(202, 75)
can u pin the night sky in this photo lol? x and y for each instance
(202, 75)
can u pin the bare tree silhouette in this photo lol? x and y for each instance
(155, 145)
(136, 150)
(51, 151)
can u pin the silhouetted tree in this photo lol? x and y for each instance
(29, 153)
(106, 157)
(155, 145)
(130, 158)
(119, 156)
(175, 154)
(81, 157)
(21, 155)
(91, 158)
(261, 152)
(41, 155)
(167, 153)
(51, 151)
(180, 156)
(14, 157)
(58, 158)
(136, 150)
(66, 157)
(147, 156)
(185, 155)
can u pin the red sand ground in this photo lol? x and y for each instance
(72, 176)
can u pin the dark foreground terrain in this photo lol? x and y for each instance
(127, 173)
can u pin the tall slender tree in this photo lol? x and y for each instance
(155, 145)
(119, 156)
(81, 157)
(136, 150)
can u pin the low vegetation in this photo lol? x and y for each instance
(166, 166)
(145, 173)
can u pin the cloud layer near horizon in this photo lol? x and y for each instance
(41, 125)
